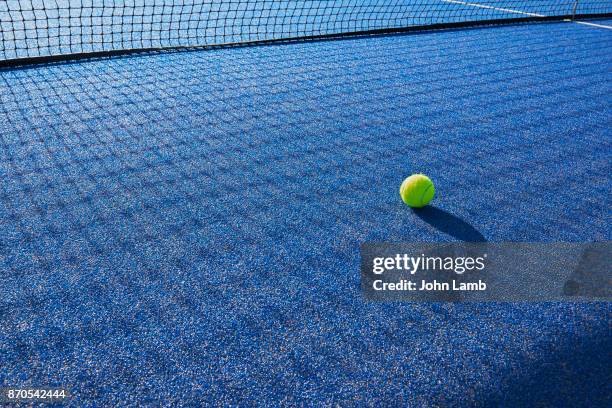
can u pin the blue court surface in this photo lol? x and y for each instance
(183, 227)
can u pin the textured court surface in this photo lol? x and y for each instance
(184, 226)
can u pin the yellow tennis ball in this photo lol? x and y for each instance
(417, 190)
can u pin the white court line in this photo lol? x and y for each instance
(484, 6)
(464, 3)
(590, 24)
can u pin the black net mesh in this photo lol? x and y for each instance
(38, 28)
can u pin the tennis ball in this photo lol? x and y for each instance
(417, 190)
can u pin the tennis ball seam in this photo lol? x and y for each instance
(423, 195)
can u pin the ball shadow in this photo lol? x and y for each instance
(449, 224)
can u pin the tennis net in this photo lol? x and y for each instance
(45, 28)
